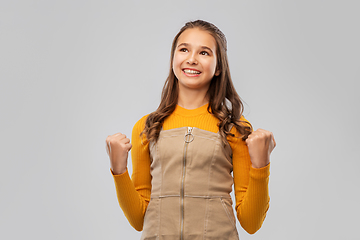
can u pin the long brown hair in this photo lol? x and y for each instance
(224, 102)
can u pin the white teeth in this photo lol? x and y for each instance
(191, 71)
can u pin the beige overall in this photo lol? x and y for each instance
(191, 184)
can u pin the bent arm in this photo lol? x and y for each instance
(134, 194)
(251, 188)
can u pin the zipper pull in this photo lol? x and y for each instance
(189, 137)
(190, 129)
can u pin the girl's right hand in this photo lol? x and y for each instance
(118, 147)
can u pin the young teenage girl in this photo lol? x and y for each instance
(187, 154)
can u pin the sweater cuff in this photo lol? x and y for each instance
(123, 185)
(121, 179)
(118, 174)
(260, 173)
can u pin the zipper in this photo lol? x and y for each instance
(188, 138)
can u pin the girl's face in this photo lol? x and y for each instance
(194, 62)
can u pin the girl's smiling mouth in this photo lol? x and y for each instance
(191, 72)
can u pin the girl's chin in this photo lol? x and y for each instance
(194, 86)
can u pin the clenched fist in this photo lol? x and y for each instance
(118, 147)
(260, 144)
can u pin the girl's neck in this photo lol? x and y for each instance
(192, 99)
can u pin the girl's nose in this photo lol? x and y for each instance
(192, 60)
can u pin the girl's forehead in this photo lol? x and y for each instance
(197, 37)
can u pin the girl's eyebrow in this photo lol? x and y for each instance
(187, 45)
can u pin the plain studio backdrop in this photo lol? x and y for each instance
(74, 72)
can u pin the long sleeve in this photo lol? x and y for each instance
(134, 194)
(251, 188)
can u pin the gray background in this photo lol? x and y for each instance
(74, 72)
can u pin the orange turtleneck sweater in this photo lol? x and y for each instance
(250, 184)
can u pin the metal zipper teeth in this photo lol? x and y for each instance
(187, 140)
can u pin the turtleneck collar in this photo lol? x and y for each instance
(191, 112)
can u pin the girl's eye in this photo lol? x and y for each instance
(204, 53)
(183, 50)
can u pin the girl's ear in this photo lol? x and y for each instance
(218, 71)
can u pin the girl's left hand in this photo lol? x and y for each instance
(260, 144)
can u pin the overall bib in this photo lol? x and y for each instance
(191, 184)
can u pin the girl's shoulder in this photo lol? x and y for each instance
(137, 130)
(140, 124)
(244, 121)
(237, 136)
